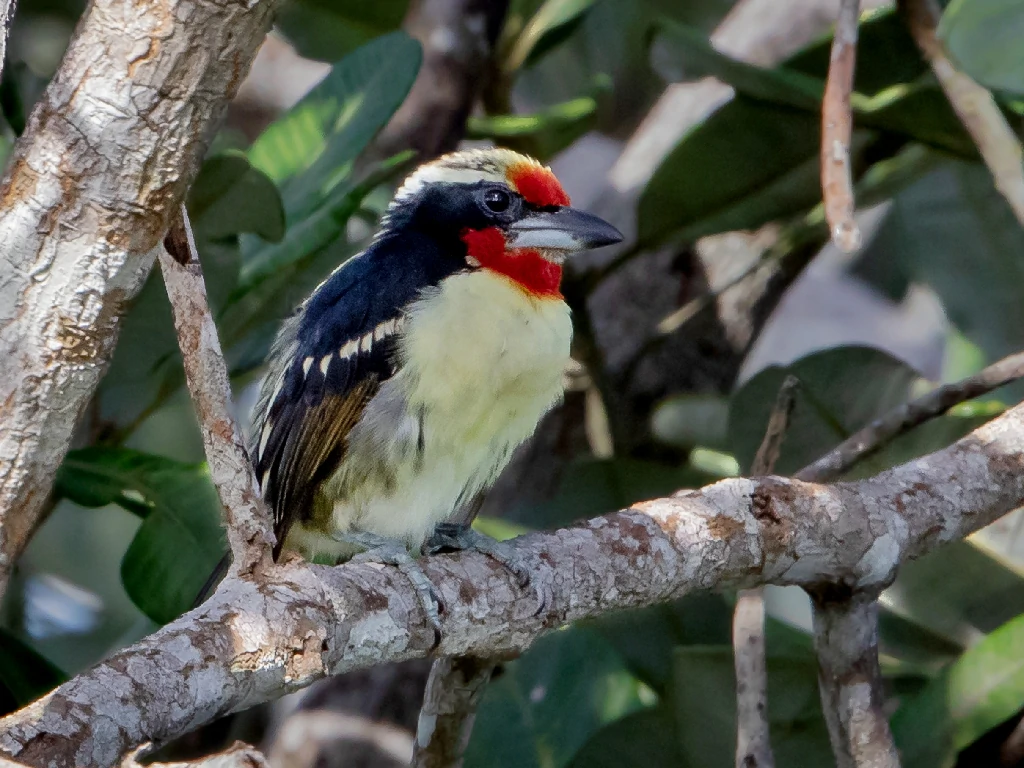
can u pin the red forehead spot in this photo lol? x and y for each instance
(524, 266)
(537, 185)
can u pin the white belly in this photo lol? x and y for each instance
(483, 361)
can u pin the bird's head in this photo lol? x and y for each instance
(503, 212)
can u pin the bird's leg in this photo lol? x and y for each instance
(381, 549)
(459, 536)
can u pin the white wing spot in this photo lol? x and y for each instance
(265, 480)
(325, 363)
(306, 365)
(264, 437)
(349, 350)
(366, 342)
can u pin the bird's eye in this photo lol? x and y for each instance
(497, 200)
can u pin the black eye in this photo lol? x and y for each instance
(497, 200)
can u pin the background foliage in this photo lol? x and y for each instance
(281, 201)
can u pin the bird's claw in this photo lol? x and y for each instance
(380, 549)
(457, 537)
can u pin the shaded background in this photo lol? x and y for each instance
(683, 336)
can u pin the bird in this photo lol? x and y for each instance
(398, 390)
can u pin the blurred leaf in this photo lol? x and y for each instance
(310, 150)
(550, 701)
(704, 699)
(554, 21)
(685, 53)
(887, 53)
(983, 38)
(983, 688)
(959, 592)
(329, 29)
(550, 130)
(644, 739)
(748, 163)
(278, 275)
(954, 232)
(841, 390)
(646, 637)
(592, 487)
(689, 420)
(180, 540)
(25, 675)
(229, 197)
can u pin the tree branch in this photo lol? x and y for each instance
(255, 640)
(846, 641)
(454, 690)
(249, 531)
(7, 8)
(238, 755)
(837, 130)
(753, 736)
(973, 104)
(105, 159)
(905, 417)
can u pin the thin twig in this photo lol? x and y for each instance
(453, 694)
(905, 417)
(753, 739)
(837, 131)
(245, 515)
(846, 641)
(997, 144)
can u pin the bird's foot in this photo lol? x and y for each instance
(458, 537)
(381, 549)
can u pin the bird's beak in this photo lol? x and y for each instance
(565, 229)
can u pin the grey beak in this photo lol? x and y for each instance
(565, 229)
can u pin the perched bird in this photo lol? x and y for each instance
(399, 389)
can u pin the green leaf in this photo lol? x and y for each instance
(329, 29)
(310, 150)
(841, 390)
(983, 688)
(229, 197)
(983, 38)
(704, 699)
(549, 26)
(955, 233)
(684, 53)
(180, 540)
(548, 702)
(593, 487)
(748, 163)
(551, 130)
(25, 674)
(959, 592)
(888, 55)
(644, 739)
(690, 420)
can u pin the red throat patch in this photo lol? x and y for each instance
(537, 185)
(524, 266)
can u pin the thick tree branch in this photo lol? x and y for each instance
(997, 144)
(103, 164)
(837, 130)
(246, 517)
(846, 641)
(257, 639)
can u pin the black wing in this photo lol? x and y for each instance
(328, 362)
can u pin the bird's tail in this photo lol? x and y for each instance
(215, 578)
